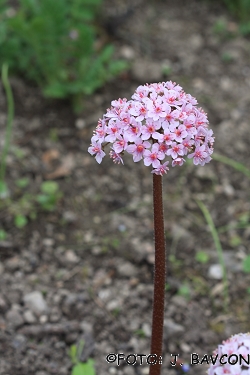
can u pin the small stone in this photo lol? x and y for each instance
(86, 327)
(113, 305)
(35, 302)
(146, 329)
(127, 269)
(127, 52)
(19, 341)
(146, 69)
(172, 328)
(185, 348)
(215, 271)
(13, 264)
(179, 301)
(29, 317)
(3, 304)
(112, 371)
(43, 319)
(14, 318)
(48, 242)
(80, 123)
(69, 216)
(1, 268)
(71, 257)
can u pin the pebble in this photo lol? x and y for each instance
(18, 341)
(35, 302)
(71, 257)
(172, 328)
(14, 318)
(146, 69)
(80, 123)
(215, 272)
(3, 304)
(127, 269)
(1, 268)
(13, 264)
(43, 319)
(146, 329)
(179, 301)
(29, 317)
(127, 52)
(113, 305)
(48, 242)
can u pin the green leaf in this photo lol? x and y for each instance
(184, 291)
(84, 368)
(202, 257)
(246, 264)
(22, 182)
(3, 235)
(73, 353)
(20, 221)
(49, 187)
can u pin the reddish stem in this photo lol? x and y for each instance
(159, 276)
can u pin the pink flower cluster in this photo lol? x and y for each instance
(161, 120)
(232, 357)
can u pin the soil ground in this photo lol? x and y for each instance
(90, 260)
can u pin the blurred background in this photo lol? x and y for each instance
(76, 238)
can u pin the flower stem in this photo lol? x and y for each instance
(159, 276)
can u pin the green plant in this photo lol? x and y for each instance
(25, 207)
(20, 221)
(3, 235)
(218, 247)
(10, 115)
(246, 264)
(80, 368)
(140, 332)
(235, 164)
(240, 9)
(50, 194)
(202, 257)
(54, 44)
(184, 291)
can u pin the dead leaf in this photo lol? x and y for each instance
(49, 156)
(65, 169)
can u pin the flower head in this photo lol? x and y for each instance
(232, 357)
(160, 121)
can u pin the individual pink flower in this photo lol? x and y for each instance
(161, 169)
(150, 129)
(175, 150)
(100, 131)
(178, 161)
(112, 131)
(199, 155)
(138, 149)
(153, 156)
(187, 144)
(96, 149)
(157, 109)
(179, 132)
(117, 159)
(166, 137)
(139, 110)
(121, 144)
